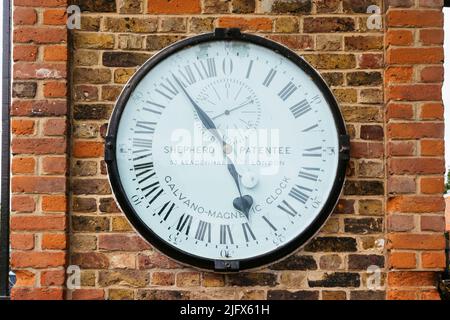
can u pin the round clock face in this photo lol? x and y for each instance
(226, 153)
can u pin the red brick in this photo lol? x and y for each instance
(53, 278)
(414, 18)
(22, 241)
(38, 222)
(371, 61)
(88, 294)
(22, 127)
(41, 3)
(432, 147)
(54, 241)
(399, 74)
(40, 35)
(25, 278)
(24, 16)
(22, 203)
(246, 24)
(55, 17)
(432, 111)
(399, 37)
(415, 92)
(415, 55)
(433, 260)
(416, 204)
(430, 295)
(37, 260)
(27, 71)
(402, 260)
(432, 185)
(55, 89)
(88, 149)
(411, 279)
(432, 36)
(39, 146)
(122, 242)
(174, 6)
(400, 222)
(54, 203)
(54, 165)
(431, 4)
(39, 108)
(55, 53)
(38, 184)
(371, 150)
(401, 184)
(416, 241)
(37, 294)
(432, 74)
(25, 52)
(432, 223)
(415, 130)
(400, 111)
(401, 295)
(416, 166)
(402, 148)
(55, 127)
(23, 165)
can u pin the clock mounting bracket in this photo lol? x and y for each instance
(226, 266)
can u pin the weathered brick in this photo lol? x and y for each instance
(174, 7)
(292, 295)
(337, 279)
(331, 244)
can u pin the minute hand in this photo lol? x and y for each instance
(243, 203)
(204, 118)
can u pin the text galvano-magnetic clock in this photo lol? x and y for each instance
(227, 151)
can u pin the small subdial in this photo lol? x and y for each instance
(231, 104)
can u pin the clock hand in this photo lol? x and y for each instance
(227, 112)
(242, 203)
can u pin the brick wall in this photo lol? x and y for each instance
(39, 149)
(415, 144)
(391, 212)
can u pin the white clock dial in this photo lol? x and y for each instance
(164, 152)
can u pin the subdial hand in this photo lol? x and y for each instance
(242, 203)
(228, 112)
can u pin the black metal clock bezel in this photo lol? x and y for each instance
(191, 259)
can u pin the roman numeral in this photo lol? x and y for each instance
(248, 232)
(184, 224)
(309, 175)
(145, 144)
(169, 206)
(167, 89)
(155, 190)
(313, 152)
(311, 128)
(298, 193)
(143, 168)
(249, 70)
(286, 207)
(152, 109)
(269, 223)
(145, 127)
(209, 68)
(269, 77)
(287, 91)
(203, 229)
(225, 234)
(187, 76)
(301, 108)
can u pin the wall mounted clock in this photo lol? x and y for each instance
(227, 151)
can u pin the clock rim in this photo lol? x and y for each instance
(185, 257)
